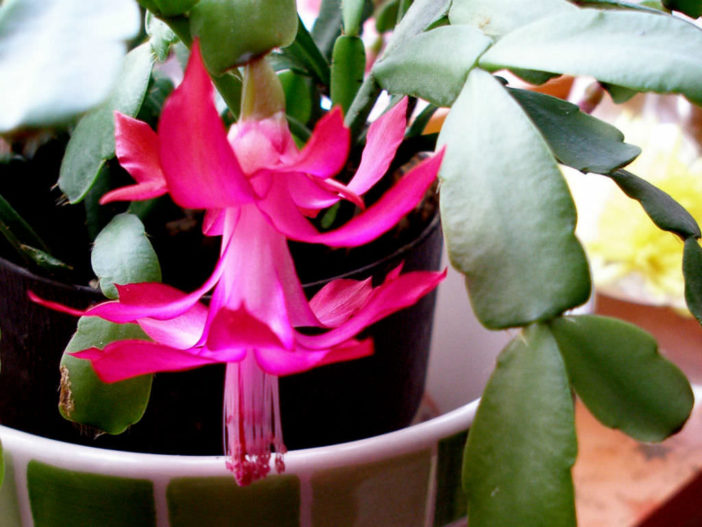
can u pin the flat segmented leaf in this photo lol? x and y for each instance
(506, 210)
(522, 444)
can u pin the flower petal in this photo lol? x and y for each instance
(327, 149)
(384, 137)
(282, 363)
(151, 300)
(136, 146)
(310, 193)
(370, 224)
(125, 359)
(55, 305)
(338, 300)
(213, 222)
(138, 192)
(238, 328)
(181, 332)
(198, 162)
(393, 295)
(259, 274)
(262, 144)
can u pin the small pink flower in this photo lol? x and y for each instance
(258, 190)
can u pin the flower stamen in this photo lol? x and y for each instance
(252, 421)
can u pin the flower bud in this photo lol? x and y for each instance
(168, 7)
(232, 32)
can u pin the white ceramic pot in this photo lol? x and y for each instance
(407, 478)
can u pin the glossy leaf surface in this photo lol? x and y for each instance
(423, 68)
(643, 51)
(352, 15)
(233, 33)
(665, 212)
(93, 141)
(692, 8)
(298, 99)
(17, 231)
(420, 15)
(161, 37)
(348, 67)
(576, 138)
(498, 17)
(85, 399)
(507, 213)
(168, 7)
(122, 254)
(60, 57)
(327, 26)
(44, 260)
(618, 373)
(692, 270)
(522, 444)
(305, 51)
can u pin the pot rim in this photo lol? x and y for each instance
(428, 229)
(24, 446)
(426, 232)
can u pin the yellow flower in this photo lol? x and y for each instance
(630, 256)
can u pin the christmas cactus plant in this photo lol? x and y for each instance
(269, 134)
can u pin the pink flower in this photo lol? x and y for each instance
(257, 189)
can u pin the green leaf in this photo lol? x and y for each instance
(298, 100)
(618, 94)
(576, 138)
(422, 67)
(93, 141)
(643, 51)
(84, 398)
(280, 61)
(348, 68)
(534, 77)
(229, 86)
(498, 17)
(352, 15)
(233, 33)
(12, 223)
(158, 91)
(122, 254)
(60, 57)
(650, 6)
(665, 212)
(618, 373)
(506, 211)
(161, 36)
(421, 121)
(692, 8)
(44, 260)
(2, 465)
(168, 7)
(28, 245)
(655, 4)
(327, 27)
(305, 50)
(420, 15)
(692, 270)
(385, 16)
(522, 443)
(97, 215)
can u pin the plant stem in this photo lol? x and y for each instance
(362, 105)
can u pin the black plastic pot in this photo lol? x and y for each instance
(332, 404)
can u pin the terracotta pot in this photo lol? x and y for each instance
(337, 403)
